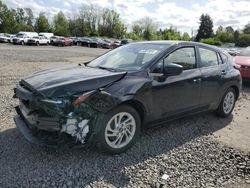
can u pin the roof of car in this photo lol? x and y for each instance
(173, 42)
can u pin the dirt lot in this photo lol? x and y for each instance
(198, 151)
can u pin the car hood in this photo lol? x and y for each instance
(242, 60)
(70, 80)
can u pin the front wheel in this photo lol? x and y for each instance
(227, 103)
(120, 129)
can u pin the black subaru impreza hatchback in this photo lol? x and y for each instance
(107, 101)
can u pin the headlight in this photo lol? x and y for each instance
(83, 97)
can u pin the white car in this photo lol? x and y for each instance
(20, 39)
(4, 37)
(40, 40)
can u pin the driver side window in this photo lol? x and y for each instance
(184, 57)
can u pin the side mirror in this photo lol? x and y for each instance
(172, 69)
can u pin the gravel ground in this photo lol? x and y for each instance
(185, 150)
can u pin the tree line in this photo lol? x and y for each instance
(95, 21)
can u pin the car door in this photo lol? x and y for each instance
(181, 93)
(212, 74)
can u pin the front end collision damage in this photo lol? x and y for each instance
(78, 120)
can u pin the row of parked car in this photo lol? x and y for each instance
(33, 38)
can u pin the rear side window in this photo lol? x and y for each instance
(208, 57)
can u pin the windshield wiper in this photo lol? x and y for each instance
(106, 68)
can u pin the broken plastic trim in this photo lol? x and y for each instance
(77, 128)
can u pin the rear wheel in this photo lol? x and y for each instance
(119, 130)
(227, 103)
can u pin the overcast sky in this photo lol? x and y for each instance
(183, 14)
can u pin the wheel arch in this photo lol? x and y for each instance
(237, 90)
(138, 106)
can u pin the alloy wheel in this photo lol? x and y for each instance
(120, 130)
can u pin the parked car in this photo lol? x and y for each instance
(243, 62)
(5, 38)
(12, 36)
(109, 100)
(126, 41)
(95, 43)
(53, 39)
(40, 40)
(62, 41)
(108, 44)
(116, 44)
(21, 39)
(84, 41)
(47, 35)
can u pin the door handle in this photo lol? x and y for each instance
(223, 72)
(197, 80)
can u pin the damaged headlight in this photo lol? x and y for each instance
(83, 97)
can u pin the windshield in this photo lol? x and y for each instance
(245, 52)
(130, 57)
(20, 35)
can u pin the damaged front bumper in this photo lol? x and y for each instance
(37, 114)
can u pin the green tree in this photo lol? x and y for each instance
(246, 29)
(145, 28)
(186, 37)
(206, 27)
(236, 35)
(42, 23)
(230, 29)
(243, 41)
(61, 24)
(171, 34)
(7, 19)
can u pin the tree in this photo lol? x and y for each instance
(61, 24)
(236, 35)
(145, 28)
(42, 23)
(243, 41)
(206, 27)
(230, 29)
(171, 34)
(7, 19)
(246, 29)
(186, 37)
(29, 16)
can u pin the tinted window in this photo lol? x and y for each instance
(184, 57)
(208, 57)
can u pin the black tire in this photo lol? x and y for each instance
(102, 143)
(220, 110)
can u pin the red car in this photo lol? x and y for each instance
(243, 62)
(62, 41)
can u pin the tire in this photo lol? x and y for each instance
(227, 103)
(106, 140)
(37, 43)
(47, 43)
(22, 43)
